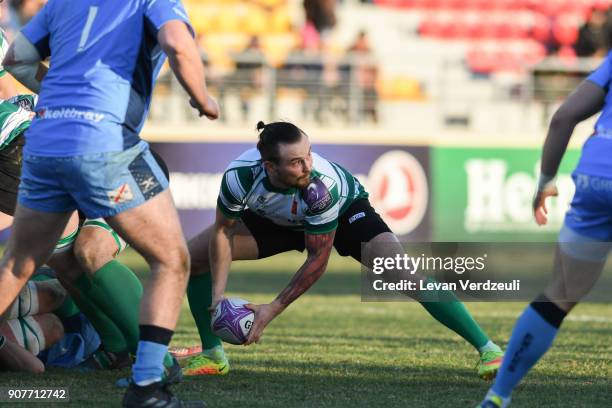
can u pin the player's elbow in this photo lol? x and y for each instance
(563, 119)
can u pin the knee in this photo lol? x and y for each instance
(52, 328)
(58, 294)
(51, 294)
(177, 260)
(91, 258)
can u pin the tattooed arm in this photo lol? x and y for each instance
(319, 247)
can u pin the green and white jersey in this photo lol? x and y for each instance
(15, 117)
(315, 209)
(4, 45)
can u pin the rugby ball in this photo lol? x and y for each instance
(231, 321)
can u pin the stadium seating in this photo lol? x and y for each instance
(226, 26)
(505, 22)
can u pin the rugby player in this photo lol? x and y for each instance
(281, 197)
(83, 151)
(106, 290)
(583, 243)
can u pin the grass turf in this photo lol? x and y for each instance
(330, 349)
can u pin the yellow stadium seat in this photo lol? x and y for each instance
(203, 17)
(271, 3)
(400, 88)
(276, 47)
(228, 20)
(256, 22)
(280, 22)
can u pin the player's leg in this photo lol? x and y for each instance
(367, 227)
(212, 359)
(583, 247)
(129, 190)
(33, 238)
(13, 357)
(168, 259)
(113, 286)
(37, 298)
(578, 264)
(82, 292)
(34, 333)
(254, 238)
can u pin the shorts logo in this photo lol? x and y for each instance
(355, 217)
(147, 184)
(121, 194)
(399, 190)
(145, 178)
(316, 196)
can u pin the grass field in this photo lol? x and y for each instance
(331, 350)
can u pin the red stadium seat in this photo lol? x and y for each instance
(541, 29)
(565, 30)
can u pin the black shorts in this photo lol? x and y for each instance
(10, 174)
(359, 223)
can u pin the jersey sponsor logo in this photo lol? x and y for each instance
(317, 196)
(121, 194)
(70, 113)
(399, 190)
(355, 217)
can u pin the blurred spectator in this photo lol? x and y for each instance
(366, 74)
(321, 13)
(248, 74)
(595, 36)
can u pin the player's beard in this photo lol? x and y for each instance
(302, 182)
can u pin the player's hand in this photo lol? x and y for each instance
(264, 314)
(540, 212)
(210, 109)
(215, 301)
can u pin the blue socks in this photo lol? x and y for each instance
(152, 348)
(149, 365)
(532, 336)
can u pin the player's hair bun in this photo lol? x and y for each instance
(260, 125)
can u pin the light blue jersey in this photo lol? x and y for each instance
(596, 159)
(104, 61)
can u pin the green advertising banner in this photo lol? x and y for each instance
(485, 194)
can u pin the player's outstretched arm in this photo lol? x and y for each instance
(220, 253)
(584, 102)
(22, 60)
(186, 63)
(319, 248)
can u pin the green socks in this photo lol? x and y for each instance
(199, 294)
(444, 306)
(118, 291)
(110, 335)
